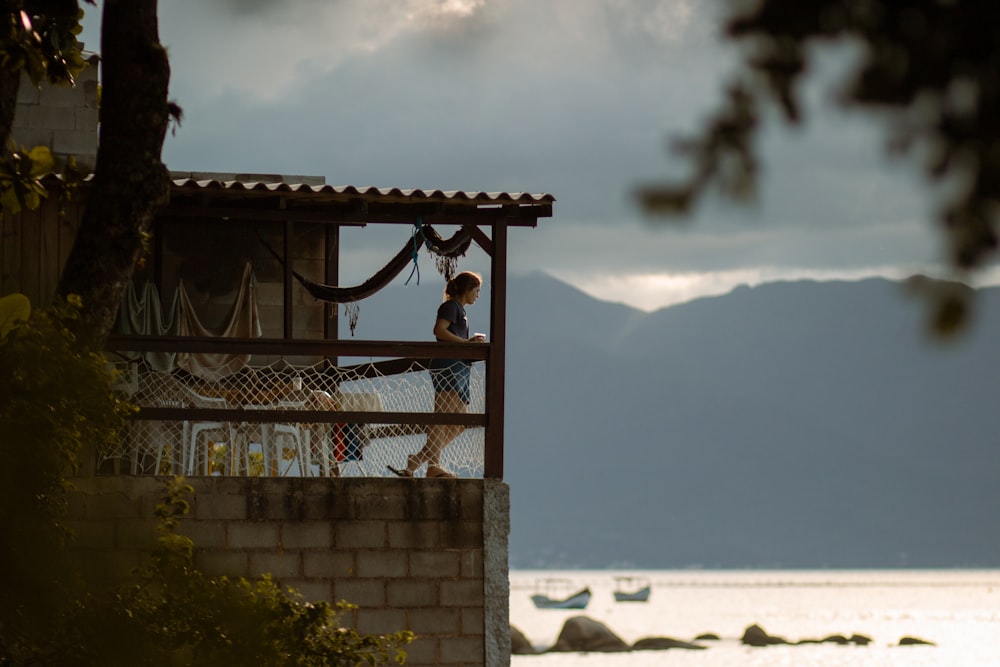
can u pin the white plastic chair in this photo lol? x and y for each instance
(274, 438)
(276, 435)
(187, 441)
(200, 437)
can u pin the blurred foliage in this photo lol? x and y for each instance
(21, 174)
(15, 309)
(56, 401)
(39, 37)
(53, 400)
(173, 614)
(26, 177)
(929, 68)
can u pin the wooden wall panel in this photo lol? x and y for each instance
(68, 226)
(10, 253)
(48, 252)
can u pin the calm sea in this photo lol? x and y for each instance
(958, 610)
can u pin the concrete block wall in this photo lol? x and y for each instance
(210, 259)
(34, 244)
(424, 555)
(63, 118)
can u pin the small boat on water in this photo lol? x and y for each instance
(544, 600)
(632, 589)
(577, 600)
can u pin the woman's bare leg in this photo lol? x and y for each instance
(439, 435)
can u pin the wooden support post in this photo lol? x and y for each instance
(331, 323)
(496, 361)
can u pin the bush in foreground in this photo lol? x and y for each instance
(55, 398)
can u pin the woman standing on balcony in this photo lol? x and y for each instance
(450, 376)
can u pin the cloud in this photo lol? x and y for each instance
(264, 50)
(652, 291)
(514, 95)
(558, 245)
(577, 98)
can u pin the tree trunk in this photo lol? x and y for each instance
(130, 180)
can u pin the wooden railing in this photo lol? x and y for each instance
(396, 356)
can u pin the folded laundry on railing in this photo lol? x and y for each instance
(358, 401)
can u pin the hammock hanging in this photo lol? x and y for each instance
(447, 251)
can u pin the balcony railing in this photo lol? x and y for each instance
(296, 407)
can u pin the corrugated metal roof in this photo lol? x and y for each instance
(351, 191)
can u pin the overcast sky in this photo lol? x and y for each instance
(576, 98)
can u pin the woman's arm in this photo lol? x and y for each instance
(442, 334)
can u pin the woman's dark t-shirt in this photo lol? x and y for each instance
(453, 311)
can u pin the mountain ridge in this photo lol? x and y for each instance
(797, 424)
(770, 414)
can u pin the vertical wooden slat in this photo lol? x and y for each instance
(10, 229)
(288, 310)
(159, 229)
(48, 251)
(67, 225)
(495, 364)
(30, 256)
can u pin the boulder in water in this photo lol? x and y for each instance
(756, 636)
(519, 644)
(662, 644)
(857, 639)
(581, 633)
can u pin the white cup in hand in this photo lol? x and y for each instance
(478, 338)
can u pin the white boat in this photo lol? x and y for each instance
(632, 589)
(544, 600)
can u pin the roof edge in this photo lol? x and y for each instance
(242, 177)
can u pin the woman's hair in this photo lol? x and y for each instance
(461, 284)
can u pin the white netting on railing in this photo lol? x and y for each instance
(204, 446)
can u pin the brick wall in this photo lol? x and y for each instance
(424, 555)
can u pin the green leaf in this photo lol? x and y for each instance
(31, 199)
(42, 161)
(14, 308)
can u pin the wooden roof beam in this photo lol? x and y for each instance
(525, 216)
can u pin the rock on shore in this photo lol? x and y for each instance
(584, 634)
(757, 636)
(663, 643)
(519, 644)
(581, 633)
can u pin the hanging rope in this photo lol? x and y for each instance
(417, 229)
(447, 251)
(446, 257)
(352, 311)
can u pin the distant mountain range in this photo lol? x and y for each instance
(792, 425)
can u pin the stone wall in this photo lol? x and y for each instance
(424, 555)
